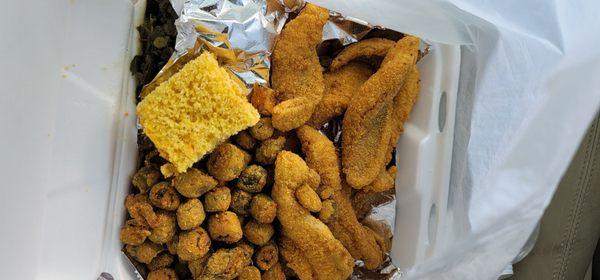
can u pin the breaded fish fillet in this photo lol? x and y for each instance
(328, 258)
(296, 72)
(295, 259)
(340, 86)
(369, 124)
(359, 240)
(365, 48)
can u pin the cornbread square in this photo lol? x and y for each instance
(199, 107)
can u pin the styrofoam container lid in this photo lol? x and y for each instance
(65, 70)
(69, 140)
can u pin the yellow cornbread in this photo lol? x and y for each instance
(199, 107)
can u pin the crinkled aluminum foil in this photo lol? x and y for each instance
(242, 34)
(345, 29)
(383, 213)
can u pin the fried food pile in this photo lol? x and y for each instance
(279, 199)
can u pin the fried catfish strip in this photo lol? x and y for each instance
(384, 181)
(327, 256)
(321, 156)
(408, 45)
(359, 240)
(365, 48)
(295, 259)
(296, 73)
(407, 97)
(369, 123)
(403, 104)
(340, 86)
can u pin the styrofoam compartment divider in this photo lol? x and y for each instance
(424, 156)
(424, 153)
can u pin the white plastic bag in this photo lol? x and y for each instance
(528, 89)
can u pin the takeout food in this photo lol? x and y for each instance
(249, 187)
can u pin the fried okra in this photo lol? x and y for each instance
(193, 183)
(249, 273)
(225, 227)
(227, 161)
(266, 256)
(245, 140)
(274, 273)
(163, 260)
(134, 232)
(262, 130)
(145, 178)
(240, 202)
(263, 208)
(165, 229)
(217, 200)
(162, 274)
(164, 196)
(258, 233)
(139, 208)
(246, 248)
(253, 179)
(193, 244)
(144, 252)
(196, 267)
(172, 245)
(269, 149)
(308, 198)
(190, 214)
(227, 263)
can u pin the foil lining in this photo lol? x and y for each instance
(242, 34)
(347, 30)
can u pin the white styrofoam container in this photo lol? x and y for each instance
(80, 117)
